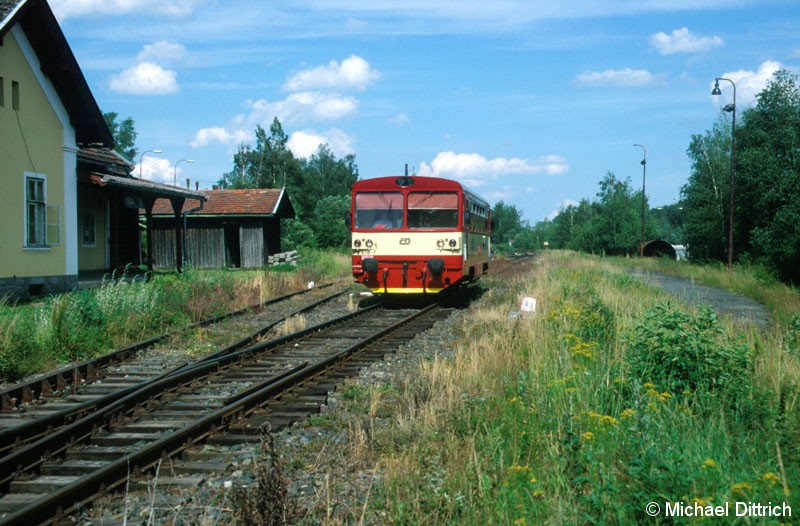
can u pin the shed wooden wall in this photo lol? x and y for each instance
(251, 248)
(206, 246)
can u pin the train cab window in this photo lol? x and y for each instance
(379, 210)
(432, 210)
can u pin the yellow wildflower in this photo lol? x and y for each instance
(741, 489)
(628, 413)
(587, 436)
(771, 478)
(709, 464)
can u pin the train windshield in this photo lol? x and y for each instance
(379, 210)
(432, 210)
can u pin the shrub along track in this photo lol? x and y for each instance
(227, 398)
(34, 408)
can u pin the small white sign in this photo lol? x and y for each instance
(528, 305)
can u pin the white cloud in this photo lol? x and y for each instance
(625, 78)
(315, 98)
(352, 73)
(162, 52)
(301, 108)
(304, 144)
(561, 207)
(400, 120)
(475, 170)
(748, 84)
(218, 134)
(155, 169)
(145, 78)
(683, 41)
(64, 9)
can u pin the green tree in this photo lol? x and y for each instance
(617, 227)
(325, 175)
(296, 235)
(705, 195)
(328, 221)
(124, 134)
(270, 164)
(508, 223)
(669, 221)
(767, 192)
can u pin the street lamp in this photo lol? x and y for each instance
(175, 177)
(644, 171)
(732, 109)
(141, 158)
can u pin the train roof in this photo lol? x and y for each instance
(399, 182)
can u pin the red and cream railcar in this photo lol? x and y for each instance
(417, 235)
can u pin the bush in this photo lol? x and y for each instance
(682, 352)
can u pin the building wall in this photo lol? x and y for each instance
(36, 138)
(92, 201)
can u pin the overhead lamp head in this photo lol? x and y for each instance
(729, 107)
(716, 90)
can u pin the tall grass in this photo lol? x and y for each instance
(83, 324)
(567, 418)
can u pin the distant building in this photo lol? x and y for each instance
(234, 228)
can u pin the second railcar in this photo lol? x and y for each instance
(418, 235)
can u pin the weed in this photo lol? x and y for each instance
(266, 503)
(682, 352)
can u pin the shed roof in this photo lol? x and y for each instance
(265, 202)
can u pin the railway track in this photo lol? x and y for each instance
(222, 399)
(37, 407)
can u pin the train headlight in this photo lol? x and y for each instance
(452, 243)
(357, 243)
(368, 243)
(440, 243)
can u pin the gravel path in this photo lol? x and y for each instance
(740, 308)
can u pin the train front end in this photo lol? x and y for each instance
(410, 235)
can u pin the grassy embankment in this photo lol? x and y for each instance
(82, 324)
(610, 397)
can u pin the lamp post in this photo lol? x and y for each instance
(732, 109)
(175, 177)
(644, 172)
(141, 159)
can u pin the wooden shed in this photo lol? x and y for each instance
(234, 228)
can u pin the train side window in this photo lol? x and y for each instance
(379, 210)
(432, 210)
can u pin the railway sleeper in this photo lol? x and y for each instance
(11, 502)
(145, 426)
(73, 468)
(188, 467)
(124, 439)
(105, 453)
(145, 484)
(44, 484)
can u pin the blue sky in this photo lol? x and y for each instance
(528, 102)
